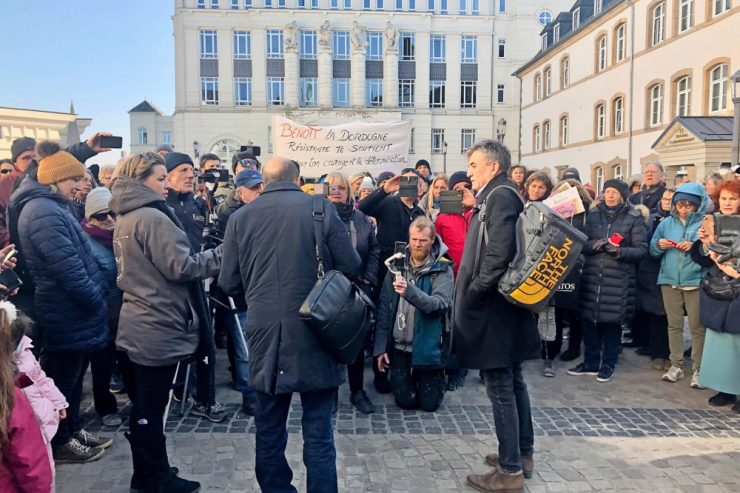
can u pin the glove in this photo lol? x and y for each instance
(612, 250)
(598, 245)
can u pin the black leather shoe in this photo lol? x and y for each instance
(570, 354)
(362, 402)
(721, 399)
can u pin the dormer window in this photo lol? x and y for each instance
(597, 7)
(544, 42)
(556, 33)
(576, 18)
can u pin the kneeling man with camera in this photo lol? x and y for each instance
(411, 337)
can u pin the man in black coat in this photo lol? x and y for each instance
(491, 334)
(181, 197)
(270, 255)
(653, 177)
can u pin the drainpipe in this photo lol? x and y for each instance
(632, 86)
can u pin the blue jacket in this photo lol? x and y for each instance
(69, 294)
(676, 267)
(107, 264)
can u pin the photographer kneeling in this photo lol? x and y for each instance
(410, 332)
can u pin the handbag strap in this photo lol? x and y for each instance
(318, 226)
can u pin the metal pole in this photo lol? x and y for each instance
(735, 135)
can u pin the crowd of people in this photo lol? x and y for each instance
(145, 270)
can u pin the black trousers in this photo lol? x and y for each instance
(67, 369)
(355, 371)
(101, 367)
(657, 328)
(414, 388)
(641, 329)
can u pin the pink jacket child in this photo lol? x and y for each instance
(44, 397)
(24, 466)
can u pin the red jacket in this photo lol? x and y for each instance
(453, 228)
(25, 466)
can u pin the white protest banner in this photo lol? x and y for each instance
(347, 148)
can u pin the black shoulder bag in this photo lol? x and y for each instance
(338, 313)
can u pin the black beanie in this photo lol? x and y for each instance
(422, 162)
(619, 186)
(19, 146)
(175, 159)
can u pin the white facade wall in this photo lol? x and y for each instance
(37, 124)
(711, 41)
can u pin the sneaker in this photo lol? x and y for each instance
(113, 419)
(90, 440)
(582, 370)
(674, 374)
(116, 384)
(362, 402)
(73, 452)
(721, 399)
(605, 374)
(695, 381)
(570, 354)
(214, 413)
(548, 370)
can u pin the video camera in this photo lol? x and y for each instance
(219, 175)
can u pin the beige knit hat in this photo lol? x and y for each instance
(56, 165)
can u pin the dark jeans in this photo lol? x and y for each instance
(657, 326)
(355, 372)
(148, 388)
(241, 354)
(601, 344)
(67, 369)
(319, 455)
(415, 389)
(101, 367)
(512, 415)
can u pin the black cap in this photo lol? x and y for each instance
(175, 159)
(618, 185)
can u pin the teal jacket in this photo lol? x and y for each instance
(676, 267)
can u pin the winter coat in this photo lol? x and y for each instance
(43, 395)
(393, 218)
(489, 332)
(69, 288)
(230, 205)
(164, 314)
(714, 314)
(649, 197)
(192, 214)
(649, 296)
(106, 260)
(24, 463)
(269, 254)
(366, 246)
(429, 294)
(608, 283)
(676, 267)
(453, 228)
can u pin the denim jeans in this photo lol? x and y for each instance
(67, 369)
(415, 388)
(319, 455)
(596, 337)
(512, 415)
(241, 356)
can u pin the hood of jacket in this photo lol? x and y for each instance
(129, 194)
(30, 189)
(692, 189)
(644, 211)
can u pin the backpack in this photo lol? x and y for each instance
(547, 249)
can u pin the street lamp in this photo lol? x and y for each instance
(501, 130)
(444, 157)
(195, 148)
(735, 119)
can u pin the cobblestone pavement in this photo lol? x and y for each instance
(635, 433)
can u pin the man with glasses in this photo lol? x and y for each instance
(653, 186)
(6, 166)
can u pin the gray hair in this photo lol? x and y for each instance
(656, 164)
(494, 150)
(713, 176)
(280, 169)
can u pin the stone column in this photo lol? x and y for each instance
(358, 42)
(292, 65)
(390, 67)
(326, 67)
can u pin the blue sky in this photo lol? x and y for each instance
(106, 56)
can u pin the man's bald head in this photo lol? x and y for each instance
(280, 169)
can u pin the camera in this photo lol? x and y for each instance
(253, 151)
(219, 175)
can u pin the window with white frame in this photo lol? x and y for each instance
(546, 135)
(366, 4)
(501, 48)
(598, 5)
(209, 90)
(469, 48)
(268, 4)
(544, 42)
(556, 33)
(621, 42)
(399, 5)
(600, 121)
(602, 53)
(438, 140)
(247, 4)
(374, 49)
(379, 4)
(544, 17)
(407, 45)
(564, 131)
(142, 136)
(467, 139)
(565, 72)
(437, 94)
(599, 178)
(166, 137)
(537, 87)
(374, 93)
(576, 19)
(618, 114)
(437, 48)
(463, 8)
(411, 141)
(309, 47)
(686, 15)
(242, 45)
(618, 172)
(309, 88)
(476, 7)
(406, 90)
(341, 45)
(208, 44)
(718, 84)
(347, 4)
(430, 5)
(683, 96)
(656, 105)
(468, 93)
(334, 4)
(214, 4)
(281, 4)
(201, 4)
(242, 91)
(501, 6)
(719, 7)
(537, 143)
(658, 24)
(412, 5)
(235, 4)
(548, 81)
(341, 95)
(275, 91)
(442, 6)
(274, 46)
(500, 93)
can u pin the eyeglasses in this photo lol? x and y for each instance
(683, 204)
(5, 171)
(102, 216)
(249, 163)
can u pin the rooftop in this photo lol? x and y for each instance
(145, 107)
(704, 128)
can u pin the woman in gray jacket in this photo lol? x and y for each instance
(164, 309)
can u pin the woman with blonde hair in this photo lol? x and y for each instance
(430, 201)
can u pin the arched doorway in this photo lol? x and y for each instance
(225, 149)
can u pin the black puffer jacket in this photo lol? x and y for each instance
(192, 214)
(649, 296)
(608, 283)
